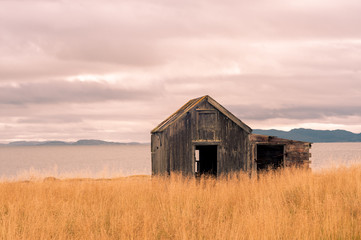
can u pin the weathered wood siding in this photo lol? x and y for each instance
(233, 148)
(172, 152)
(179, 143)
(159, 145)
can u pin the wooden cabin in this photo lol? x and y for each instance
(203, 137)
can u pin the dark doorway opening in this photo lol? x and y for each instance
(206, 160)
(269, 157)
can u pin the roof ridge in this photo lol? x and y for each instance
(192, 103)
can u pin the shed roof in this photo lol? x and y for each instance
(193, 103)
(259, 138)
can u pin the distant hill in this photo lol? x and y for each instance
(310, 135)
(25, 143)
(83, 142)
(93, 142)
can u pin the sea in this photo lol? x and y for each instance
(108, 161)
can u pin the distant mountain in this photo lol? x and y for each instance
(310, 135)
(83, 142)
(24, 143)
(54, 143)
(94, 142)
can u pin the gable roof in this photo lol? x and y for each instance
(193, 103)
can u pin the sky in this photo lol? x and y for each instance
(113, 70)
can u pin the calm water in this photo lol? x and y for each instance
(74, 161)
(113, 161)
(326, 155)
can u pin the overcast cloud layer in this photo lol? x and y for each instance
(113, 70)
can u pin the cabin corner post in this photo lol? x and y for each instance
(193, 160)
(153, 154)
(253, 158)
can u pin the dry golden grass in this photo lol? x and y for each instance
(291, 204)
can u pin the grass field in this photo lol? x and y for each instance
(291, 204)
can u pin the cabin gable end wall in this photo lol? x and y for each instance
(173, 148)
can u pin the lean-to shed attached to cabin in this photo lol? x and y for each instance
(269, 152)
(203, 137)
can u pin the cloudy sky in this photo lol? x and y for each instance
(113, 70)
